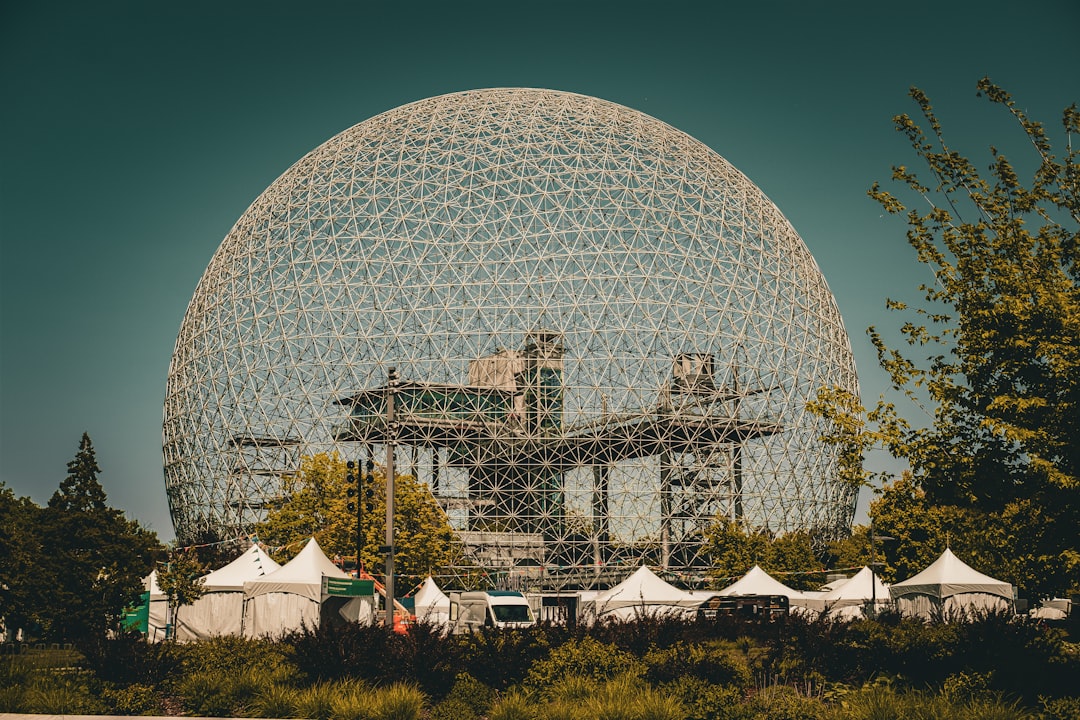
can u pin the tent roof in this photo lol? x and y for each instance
(948, 576)
(863, 585)
(643, 587)
(429, 595)
(758, 582)
(253, 563)
(150, 585)
(300, 576)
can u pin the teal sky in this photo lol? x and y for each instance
(133, 135)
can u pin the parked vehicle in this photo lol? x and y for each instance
(470, 611)
(756, 608)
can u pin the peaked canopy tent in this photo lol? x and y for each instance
(645, 593)
(850, 599)
(290, 598)
(949, 587)
(431, 604)
(758, 582)
(220, 611)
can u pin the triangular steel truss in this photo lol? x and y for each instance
(635, 328)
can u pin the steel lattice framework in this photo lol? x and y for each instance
(606, 335)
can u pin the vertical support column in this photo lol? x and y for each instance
(600, 512)
(736, 460)
(665, 509)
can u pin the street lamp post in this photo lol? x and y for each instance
(873, 573)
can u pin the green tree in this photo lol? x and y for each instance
(19, 545)
(181, 580)
(315, 504)
(733, 549)
(993, 350)
(92, 559)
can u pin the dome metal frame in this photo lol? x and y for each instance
(607, 336)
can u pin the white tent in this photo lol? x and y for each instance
(431, 605)
(850, 599)
(157, 626)
(289, 598)
(758, 582)
(645, 593)
(220, 611)
(950, 588)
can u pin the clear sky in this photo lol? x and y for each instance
(134, 134)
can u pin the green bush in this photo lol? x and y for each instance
(500, 659)
(472, 693)
(275, 701)
(229, 655)
(350, 700)
(571, 689)
(225, 694)
(718, 661)
(400, 701)
(514, 705)
(882, 702)
(584, 658)
(452, 708)
(135, 699)
(62, 694)
(1066, 708)
(781, 702)
(701, 699)
(616, 699)
(315, 702)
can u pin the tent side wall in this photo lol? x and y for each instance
(213, 615)
(960, 606)
(274, 614)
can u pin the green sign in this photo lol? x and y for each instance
(347, 587)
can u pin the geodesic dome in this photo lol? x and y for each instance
(605, 336)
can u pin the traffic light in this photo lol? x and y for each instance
(351, 477)
(369, 487)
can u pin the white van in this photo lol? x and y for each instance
(470, 611)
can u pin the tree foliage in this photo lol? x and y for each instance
(315, 503)
(88, 562)
(181, 579)
(734, 549)
(993, 351)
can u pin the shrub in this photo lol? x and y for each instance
(223, 694)
(61, 694)
(585, 658)
(472, 693)
(701, 699)
(780, 702)
(571, 689)
(515, 705)
(617, 699)
(275, 701)
(452, 708)
(652, 705)
(400, 701)
(1067, 708)
(717, 661)
(315, 701)
(229, 655)
(135, 699)
(500, 659)
(350, 700)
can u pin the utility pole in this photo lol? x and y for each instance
(391, 439)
